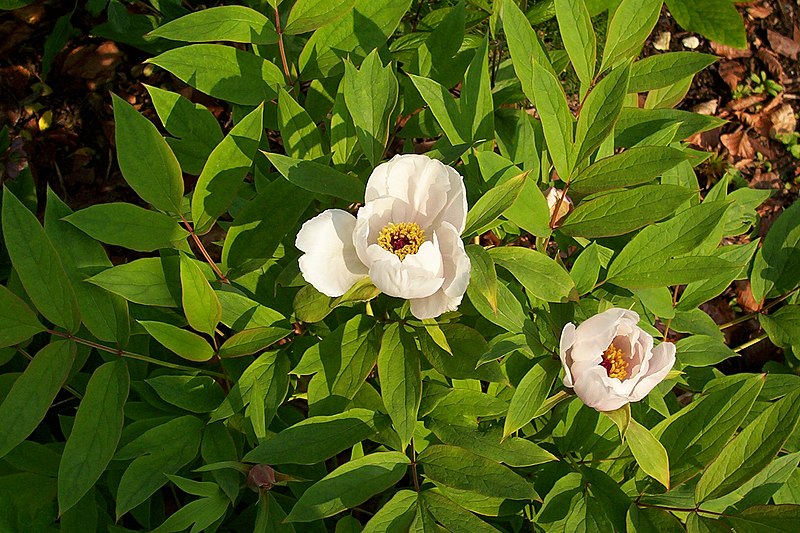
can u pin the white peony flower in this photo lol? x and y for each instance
(552, 196)
(406, 238)
(610, 361)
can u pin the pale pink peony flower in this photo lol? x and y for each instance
(610, 361)
(406, 238)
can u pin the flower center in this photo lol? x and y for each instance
(614, 363)
(401, 239)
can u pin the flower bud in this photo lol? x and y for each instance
(552, 195)
(261, 477)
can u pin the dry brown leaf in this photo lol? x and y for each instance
(766, 180)
(738, 144)
(706, 140)
(749, 101)
(96, 63)
(729, 51)
(760, 11)
(760, 122)
(783, 121)
(744, 297)
(732, 73)
(773, 63)
(783, 45)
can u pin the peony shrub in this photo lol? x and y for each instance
(346, 310)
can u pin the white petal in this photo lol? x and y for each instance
(595, 391)
(595, 334)
(417, 276)
(330, 262)
(456, 264)
(434, 191)
(433, 305)
(567, 338)
(660, 363)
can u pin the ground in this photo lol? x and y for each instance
(63, 123)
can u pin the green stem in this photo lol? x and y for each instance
(131, 355)
(750, 343)
(766, 308)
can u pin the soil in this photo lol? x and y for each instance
(63, 122)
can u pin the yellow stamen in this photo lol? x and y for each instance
(401, 239)
(614, 363)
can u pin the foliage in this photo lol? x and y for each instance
(205, 385)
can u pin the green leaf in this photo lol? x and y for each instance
(349, 485)
(252, 238)
(651, 258)
(237, 24)
(351, 35)
(530, 394)
(253, 340)
(652, 519)
(541, 276)
(145, 159)
(751, 450)
(162, 450)
(695, 435)
(310, 305)
(783, 326)
(95, 433)
(195, 130)
(492, 204)
(766, 518)
(702, 350)
(149, 281)
(635, 124)
(301, 137)
(444, 108)
(17, 321)
(200, 302)
(38, 265)
(225, 170)
(476, 104)
(620, 212)
(716, 19)
(460, 469)
(490, 443)
(371, 95)
(600, 110)
(557, 120)
(483, 277)
(524, 46)
(648, 452)
(318, 178)
(348, 355)
(198, 394)
(322, 438)
(186, 344)
(662, 70)
(129, 226)
(776, 269)
(461, 362)
(104, 314)
(401, 381)
(308, 15)
(261, 387)
(223, 72)
(395, 515)
(575, 26)
(454, 517)
(200, 514)
(343, 135)
(31, 395)
(240, 312)
(630, 25)
(634, 166)
(271, 517)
